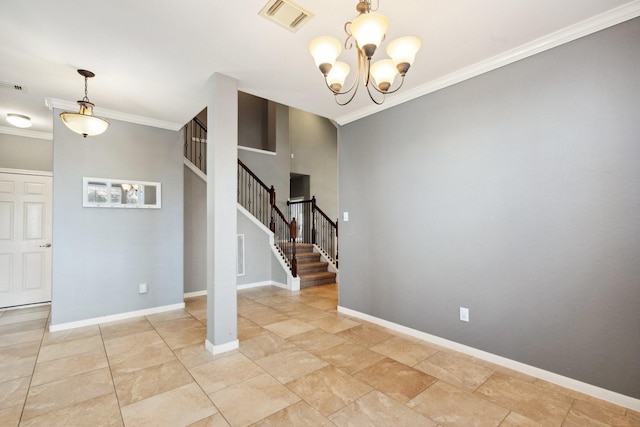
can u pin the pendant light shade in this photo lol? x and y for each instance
(403, 52)
(384, 73)
(337, 75)
(325, 50)
(369, 29)
(84, 122)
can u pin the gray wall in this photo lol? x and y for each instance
(100, 255)
(315, 153)
(514, 194)
(19, 152)
(257, 252)
(255, 122)
(195, 232)
(273, 169)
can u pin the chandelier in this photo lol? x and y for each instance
(368, 30)
(84, 122)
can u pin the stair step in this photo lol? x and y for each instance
(300, 248)
(307, 257)
(315, 279)
(303, 248)
(312, 267)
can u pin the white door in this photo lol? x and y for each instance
(25, 239)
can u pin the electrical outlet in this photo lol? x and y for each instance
(464, 314)
(143, 288)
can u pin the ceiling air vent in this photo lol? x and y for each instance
(287, 14)
(12, 86)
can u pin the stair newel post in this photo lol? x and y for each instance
(313, 220)
(294, 236)
(272, 202)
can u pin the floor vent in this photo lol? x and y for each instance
(287, 14)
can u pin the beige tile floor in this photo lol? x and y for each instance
(299, 363)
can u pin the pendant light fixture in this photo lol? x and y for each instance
(84, 122)
(368, 30)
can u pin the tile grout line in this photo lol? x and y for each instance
(26, 397)
(185, 368)
(113, 381)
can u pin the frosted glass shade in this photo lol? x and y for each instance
(19, 120)
(325, 50)
(337, 75)
(384, 73)
(84, 122)
(369, 29)
(404, 49)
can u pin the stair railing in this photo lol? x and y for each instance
(260, 201)
(315, 227)
(195, 143)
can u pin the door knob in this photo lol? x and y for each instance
(46, 245)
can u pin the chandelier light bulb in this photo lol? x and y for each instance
(369, 30)
(325, 51)
(337, 76)
(384, 73)
(403, 52)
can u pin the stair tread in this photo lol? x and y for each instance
(308, 255)
(317, 275)
(312, 264)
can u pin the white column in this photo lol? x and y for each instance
(222, 183)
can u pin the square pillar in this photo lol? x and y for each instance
(222, 184)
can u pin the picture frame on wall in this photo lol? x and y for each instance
(121, 193)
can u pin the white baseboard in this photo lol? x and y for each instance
(114, 317)
(222, 348)
(195, 294)
(260, 284)
(570, 383)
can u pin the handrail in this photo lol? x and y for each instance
(199, 122)
(255, 196)
(253, 175)
(258, 199)
(315, 227)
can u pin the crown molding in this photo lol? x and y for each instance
(52, 103)
(26, 133)
(584, 28)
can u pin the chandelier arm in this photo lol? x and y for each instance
(398, 88)
(371, 95)
(353, 95)
(355, 85)
(388, 91)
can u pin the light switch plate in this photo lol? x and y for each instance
(345, 216)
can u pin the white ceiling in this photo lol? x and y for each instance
(152, 59)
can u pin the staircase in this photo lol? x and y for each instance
(311, 270)
(296, 244)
